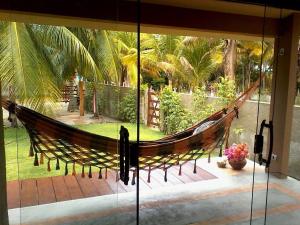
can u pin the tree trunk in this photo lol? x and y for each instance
(123, 76)
(230, 59)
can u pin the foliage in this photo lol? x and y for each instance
(225, 91)
(89, 97)
(201, 109)
(175, 117)
(200, 58)
(128, 107)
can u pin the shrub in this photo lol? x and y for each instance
(226, 91)
(201, 109)
(175, 117)
(128, 107)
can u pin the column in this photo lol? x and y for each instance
(284, 90)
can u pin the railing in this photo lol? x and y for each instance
(69, 91)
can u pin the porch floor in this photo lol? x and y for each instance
(40, 191)
(221, 201)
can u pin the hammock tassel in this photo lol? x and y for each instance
(48, 166)
(195, 167)
(166, 179)
(133, 178)
(90, 172)
(82, 172)
(180, 170)
(74, 170)
(42, 158)
(57, 164)
(31, 153)
(149, 174)
(36, 160)
(66, 169)
(100, 173)
(105, 172)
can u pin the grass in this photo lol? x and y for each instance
(20, 166)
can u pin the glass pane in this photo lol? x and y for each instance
(70, 83)
(294, 168)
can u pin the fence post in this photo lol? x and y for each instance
(81, 98)
(148, 106)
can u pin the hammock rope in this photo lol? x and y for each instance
(52, 140)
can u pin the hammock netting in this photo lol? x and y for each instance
(52, 140)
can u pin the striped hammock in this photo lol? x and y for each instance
(53, 140)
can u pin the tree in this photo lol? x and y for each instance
(31, 59)
(230, 55)
(126, 44)
(200, 58)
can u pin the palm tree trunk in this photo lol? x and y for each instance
(230, 59)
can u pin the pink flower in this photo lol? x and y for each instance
(237, 152)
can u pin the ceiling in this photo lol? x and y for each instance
(226, 6)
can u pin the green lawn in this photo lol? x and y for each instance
(20, 166)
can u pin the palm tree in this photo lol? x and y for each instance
(102, 49)
(35, 58)
(249, 57)
(169, 49)
(126, 45)
(200, 58)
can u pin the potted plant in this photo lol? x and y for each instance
(236, 155)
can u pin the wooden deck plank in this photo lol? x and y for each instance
(144, 186)
(111, 180)
(101, 185)
(29, 193)
(201, 173)
(171, 179)
(87, 187)
(63, 188)
(129, 187)
(183, 177)
(153, 182)
(159, 177)
(60, 188)
(45, 191)
(73, 187)
(13, 194)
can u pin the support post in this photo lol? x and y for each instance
(283, 91)
(81, 98)
(3, 191)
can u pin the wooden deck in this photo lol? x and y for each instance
(62, 188)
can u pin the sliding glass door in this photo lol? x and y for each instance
(68, 88)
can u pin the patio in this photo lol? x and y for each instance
(225, 200)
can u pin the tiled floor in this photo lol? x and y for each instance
(225, 200)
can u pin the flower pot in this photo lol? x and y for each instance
(237, 164)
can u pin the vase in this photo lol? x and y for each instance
(237, 164)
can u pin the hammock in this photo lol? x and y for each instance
(52, 140)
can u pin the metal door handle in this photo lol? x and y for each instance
(259, 143)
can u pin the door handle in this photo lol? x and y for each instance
(259, 143)
(124, 155)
